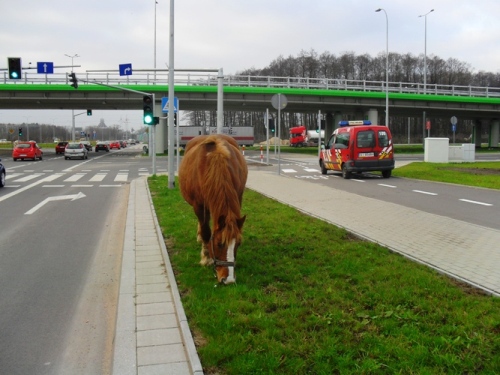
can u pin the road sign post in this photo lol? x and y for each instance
(279, 102)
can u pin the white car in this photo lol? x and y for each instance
(75, 150)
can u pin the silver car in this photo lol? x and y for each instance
(75, 150)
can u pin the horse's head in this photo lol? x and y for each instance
(226, 238)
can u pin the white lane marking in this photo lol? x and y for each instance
(423, 192)
(110, 185)
(30, 177)
(82, 186)
(121, 177)
(476, 202)
(98, 177)
(53, 177)
(75, 177)
(389, 186)
(311, 170)
(49, 186)
(355, 179)
(13, 175)
(7, 196)
(289, 171)
(58, 198)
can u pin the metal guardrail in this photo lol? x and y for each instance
(204, 79)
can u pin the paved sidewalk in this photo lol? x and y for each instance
(470, 253)
(152, 334)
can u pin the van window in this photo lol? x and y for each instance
(383, 138)
(342, 139)
(365, 139)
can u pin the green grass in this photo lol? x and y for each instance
(481, 174)
(312, 299)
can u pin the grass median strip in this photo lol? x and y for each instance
(312, 299)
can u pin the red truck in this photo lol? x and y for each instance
(298, 136)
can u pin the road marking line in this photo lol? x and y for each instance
(355, 179)
(30, 177)
(389, 186)
(49, 186)
(476, 202)
(423, 192)
(82, 185)
(121, 177)
(110, 185)
(98, 177)
(75, 177)
(289, 171)
(58, 198)
(13, 175)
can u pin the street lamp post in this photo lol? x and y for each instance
(425, 49)
(425, 74)
(386, 66)
(72, 111)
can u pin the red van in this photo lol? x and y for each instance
(356, 147)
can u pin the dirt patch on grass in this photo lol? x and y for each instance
(476, 171)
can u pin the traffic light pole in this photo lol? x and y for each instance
(152, 147)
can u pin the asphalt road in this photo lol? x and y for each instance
(476, 206)
(61, 232)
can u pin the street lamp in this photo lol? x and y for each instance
(72, 57)
(72, 111)
(386, 66)
(425, 70)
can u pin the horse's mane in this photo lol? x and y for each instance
(220, 187)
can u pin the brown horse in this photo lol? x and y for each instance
(212, 178)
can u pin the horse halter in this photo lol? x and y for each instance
(217, 262)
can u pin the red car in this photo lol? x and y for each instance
(60, 147)
(114, 144)
(27, 150)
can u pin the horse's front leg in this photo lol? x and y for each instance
(204, 234)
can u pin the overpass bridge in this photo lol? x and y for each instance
(198, 91)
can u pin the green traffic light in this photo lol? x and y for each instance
(14, 75)
(148, 119)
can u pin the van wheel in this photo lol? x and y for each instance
(323, 169)
(386, 174)
(345, 173)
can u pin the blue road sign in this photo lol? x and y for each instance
(45, 67)
(164, 104)
(453, 128)
(125, 69)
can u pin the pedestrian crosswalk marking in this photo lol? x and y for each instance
(98, 177)
(75, 177)
(29, 177)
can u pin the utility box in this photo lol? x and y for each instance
(436, 150)
(468, 152)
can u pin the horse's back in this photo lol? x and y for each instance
(195, 163)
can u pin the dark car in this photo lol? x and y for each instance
(101, 146)
(60, 147)
(87, 145)
(2, 175)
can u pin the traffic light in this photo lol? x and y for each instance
(89, 112)
(20, 132)
(15, 71)
(272, 128)
(73, 80)
(147, 106)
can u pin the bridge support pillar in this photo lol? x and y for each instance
(372, 115)
(494, 138)
(337, 117)
(476, 133)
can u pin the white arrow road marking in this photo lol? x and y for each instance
(58, 198)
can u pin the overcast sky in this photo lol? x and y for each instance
(234, 35)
